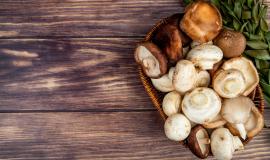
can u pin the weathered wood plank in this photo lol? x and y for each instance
(54, 18)
(132, 135)
(69, 74)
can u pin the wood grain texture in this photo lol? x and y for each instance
(71, 74)
(132, 135)
(65, 18)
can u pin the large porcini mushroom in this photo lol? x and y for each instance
(170, 39)
(201, 105)
(185, 76)
(253, 125)
(177, 127)
(199, 141)
(232, 43)
(151, 59)
(223, 144)
(229, 83)
(164, 83)
(202, 21)
(218, 121)
(171, 103)
(248, 70)
(205, 56)
(203, 78)
(237, 111)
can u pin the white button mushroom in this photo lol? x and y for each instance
(171, 103)
(201, 105)
(151, 59)
(223, 144)
(164, 83)
(185, 76)
(248, 70)
(229, 83)
(177, 127)
(205, 56)
(203, 78)
(237, 111)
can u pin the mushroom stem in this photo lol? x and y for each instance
(237, 143)
(204, 141)
(241, 128)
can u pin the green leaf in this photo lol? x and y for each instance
(266, 87)
(243, 26)
(267, 36)
(237, 9)
(187, 2)
(229, 10)
(236, 25)
(216, 3)
(249, 3)
(249, 25)
(255, 12)
(246, 14)
(257, 45)
(258, 54)
(267, 98)
(268, 76)
(262, 11)
(254, 37)
(264, 25)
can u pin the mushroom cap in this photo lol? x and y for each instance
(232, 43)
(151, 59)
(201, 105)
(199, 142)
(194, 44)
(171, 103)
(248, 70)
(203, 78)
(205, 56)
(164, 83)
(229, 83)
(237, 110)
(169, 39)
(253, 126)
(202, 21)
(222, 144)
(177, 127)
(185, 76)
(218, 121)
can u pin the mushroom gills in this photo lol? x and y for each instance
(203, 140)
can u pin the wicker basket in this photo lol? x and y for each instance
(157, 97)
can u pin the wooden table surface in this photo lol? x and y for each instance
(69, 86)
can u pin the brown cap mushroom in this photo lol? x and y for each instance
(253, 126)
(199, 141)
(185, 76)
(151, 59)
(202, 21)
(232, 43)
(170, 38)
(237, 111)
(229, 83)
(247, 68)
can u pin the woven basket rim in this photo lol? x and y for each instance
(156, 96)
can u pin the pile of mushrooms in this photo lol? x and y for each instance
(206, 80)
